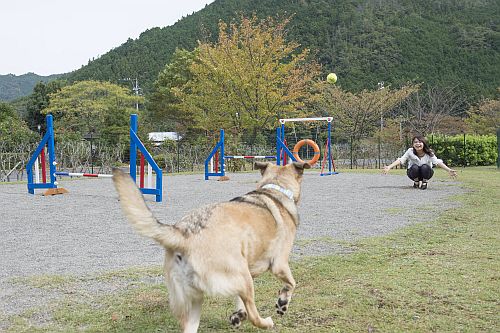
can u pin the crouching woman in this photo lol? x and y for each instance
(420, 158)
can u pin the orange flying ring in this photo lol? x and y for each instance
(308, 142)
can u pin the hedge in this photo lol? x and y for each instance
(479, 149)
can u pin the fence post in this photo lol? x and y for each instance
(498, 146)
(465, 156)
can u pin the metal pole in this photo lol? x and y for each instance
(351, 149)
(221, 157)
(329, 146)
(465, 158)
(136, 90)
(278, 147)
(178, 154)
(379, 149)
(282, 152)
(91, 152)
(52, 155)
(133, 146)
(380, 87)
(498, 145)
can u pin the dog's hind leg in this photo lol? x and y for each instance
(238, 316)
(247, 297)
(191, 320)
(282, 272)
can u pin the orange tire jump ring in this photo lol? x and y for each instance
(309, 143)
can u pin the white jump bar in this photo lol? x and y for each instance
(282, 121)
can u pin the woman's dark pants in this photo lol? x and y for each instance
(417, 173)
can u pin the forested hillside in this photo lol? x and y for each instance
(15, 86)
(453, 43)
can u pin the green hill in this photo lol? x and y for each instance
(446, 42)
(16, 86)
(452, 43)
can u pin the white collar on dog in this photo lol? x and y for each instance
(285, 191)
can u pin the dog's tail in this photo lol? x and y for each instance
(139, 215)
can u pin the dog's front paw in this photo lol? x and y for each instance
(268, 323)
(237, 317)
(281, 306)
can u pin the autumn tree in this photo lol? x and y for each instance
(359, 115)
(102, 108)
(249, 78)
(426, 110)
(485, 117)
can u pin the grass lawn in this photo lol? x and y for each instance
(440, 276)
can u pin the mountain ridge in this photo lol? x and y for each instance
(444, 43)
(15, 86)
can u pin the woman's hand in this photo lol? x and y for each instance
(386, 169)
(452, 173)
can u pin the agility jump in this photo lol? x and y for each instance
(38, 157)
(214, 164)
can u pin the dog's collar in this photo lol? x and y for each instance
(285, 191)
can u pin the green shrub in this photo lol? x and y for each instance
(478, 150)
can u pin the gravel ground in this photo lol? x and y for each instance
(84, 232)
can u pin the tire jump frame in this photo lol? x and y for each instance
(51, 185)
(280, 146)
(282, 151)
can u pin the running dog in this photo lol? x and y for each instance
(218, 249)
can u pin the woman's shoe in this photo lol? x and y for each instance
(416, 184)
(424, 186)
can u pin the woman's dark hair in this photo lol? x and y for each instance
(422, 139)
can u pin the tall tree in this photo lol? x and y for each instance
(13, 131)
(359, 115)
(96, 107)
(38, 101)
(163, 104)
(485, 117)
(249, 78)
(426, 110)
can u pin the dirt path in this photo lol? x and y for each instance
(84, 232)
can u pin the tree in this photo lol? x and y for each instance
(38, 101)
(163, 104)
(13, 130)
(485, 117)
(92, 106)
(359, 115)
(249, 79)
(425, 111)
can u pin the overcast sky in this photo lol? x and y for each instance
(58, 36)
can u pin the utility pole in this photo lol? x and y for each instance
(135, 88)
(380, 86)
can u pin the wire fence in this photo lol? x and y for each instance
(183, 156)
(180, 156)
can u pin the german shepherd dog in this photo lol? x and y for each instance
(218, 249)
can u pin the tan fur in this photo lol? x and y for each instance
(218, 249)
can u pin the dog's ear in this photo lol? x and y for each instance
(262, 166)
(300, 166)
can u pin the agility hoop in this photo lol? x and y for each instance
(308, 142)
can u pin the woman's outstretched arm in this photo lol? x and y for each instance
(386, 168)
(451, 172)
